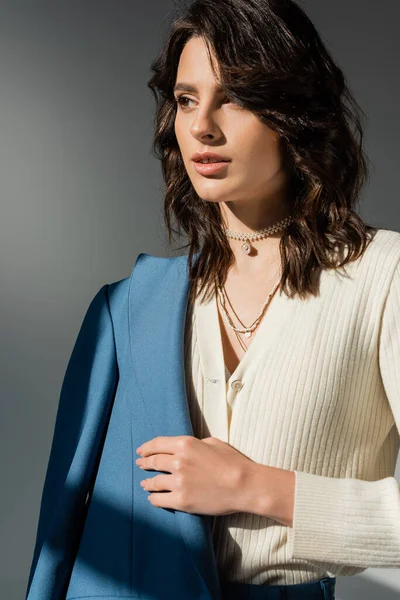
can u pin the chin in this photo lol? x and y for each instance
(210, 195)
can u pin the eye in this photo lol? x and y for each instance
(180, 101)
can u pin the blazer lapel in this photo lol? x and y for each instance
(158, 303)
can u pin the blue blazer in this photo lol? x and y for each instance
(98, 536)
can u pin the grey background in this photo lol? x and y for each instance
(81, 196)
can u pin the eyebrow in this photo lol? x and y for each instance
(187, 87)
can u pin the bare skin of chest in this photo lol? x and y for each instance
(247, 296)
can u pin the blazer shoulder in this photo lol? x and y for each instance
(118, 292)
(150, 267)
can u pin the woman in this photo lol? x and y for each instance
(259, 374)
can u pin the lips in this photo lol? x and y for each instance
(210, 168)
(210, 161)
(209, 156)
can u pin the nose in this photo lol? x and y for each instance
(204, 124)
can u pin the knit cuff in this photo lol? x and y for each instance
(346, 521)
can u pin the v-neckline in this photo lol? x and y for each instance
(208, 333)
(259, 333)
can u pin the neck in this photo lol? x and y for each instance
(263, 260)
(253, 214)
(265, 253)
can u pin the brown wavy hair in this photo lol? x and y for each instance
(272, 62)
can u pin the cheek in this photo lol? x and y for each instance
(255, 141)
(263, 152)
(176, 130)
(179, 131)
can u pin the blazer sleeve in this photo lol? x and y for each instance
(348, 521)
(85, 401)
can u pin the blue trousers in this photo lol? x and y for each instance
(322, 589)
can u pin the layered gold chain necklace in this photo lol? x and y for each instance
(246, 248)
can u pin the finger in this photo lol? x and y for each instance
(159, 462)
(165, 500)
(159, 444)
(159, 483)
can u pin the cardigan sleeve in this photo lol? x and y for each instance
(349, 521)
(85, 400)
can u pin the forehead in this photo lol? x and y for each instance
(195, 68)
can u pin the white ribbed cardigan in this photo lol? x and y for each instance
(318, 393)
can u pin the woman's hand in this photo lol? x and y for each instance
(204, 476)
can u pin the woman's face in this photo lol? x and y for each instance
(207, 121)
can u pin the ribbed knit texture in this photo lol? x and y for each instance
(318, 393)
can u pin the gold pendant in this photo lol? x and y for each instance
(248, 334)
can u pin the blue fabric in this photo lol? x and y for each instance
(97, 535)
(323, 589)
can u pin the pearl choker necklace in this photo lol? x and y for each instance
(258, 235)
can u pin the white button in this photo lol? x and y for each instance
(237, 384)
